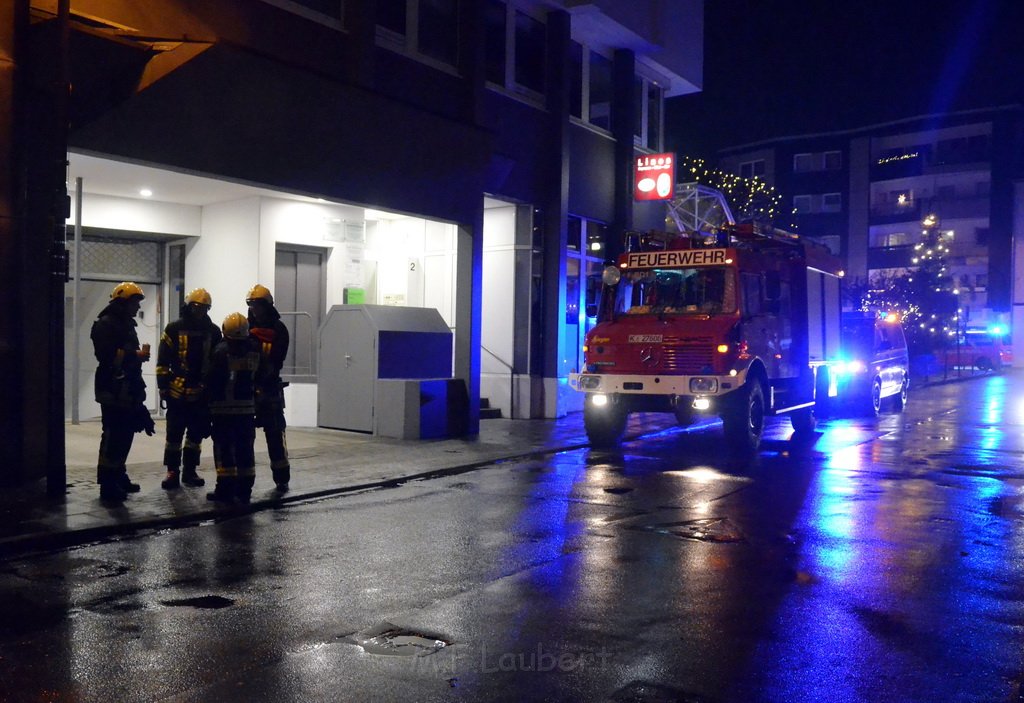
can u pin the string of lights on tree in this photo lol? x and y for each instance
(750, 199)
(925, 297)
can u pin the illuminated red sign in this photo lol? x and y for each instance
(654, 177)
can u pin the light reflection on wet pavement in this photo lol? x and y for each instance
(883, 562)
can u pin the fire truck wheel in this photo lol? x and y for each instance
(899, 401)
(604, 425)
(875, 399)
(684, 415)
(804, 421)
(743, 421)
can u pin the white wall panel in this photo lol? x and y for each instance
(110, 212)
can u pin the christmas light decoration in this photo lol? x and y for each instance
(750, 199)
(925, 292)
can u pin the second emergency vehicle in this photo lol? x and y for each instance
(742, 322)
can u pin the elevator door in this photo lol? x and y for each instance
(300, 294)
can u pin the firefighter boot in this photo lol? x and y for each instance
(127, 485)
(223, 491)
(112, 492)
(190, 478)
(171, 481)
(281, 478)
(243, 490)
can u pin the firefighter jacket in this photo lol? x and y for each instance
(235, 370)
(273, 343)
(119, 380)
(184, 355)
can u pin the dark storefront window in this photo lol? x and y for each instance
(655, 100)
(494, 41)
(600, 91)
(391, 15)
(530, 46)
(576, 80)
(438, 35)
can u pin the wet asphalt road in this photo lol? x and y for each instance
(883, 563)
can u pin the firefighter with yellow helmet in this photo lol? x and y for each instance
(120, 388)
(183, 357)
(234, 374)
(266, 326)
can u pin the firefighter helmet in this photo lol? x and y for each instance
(258, 292)
(126, 291)
(235, 326)
(198, 296)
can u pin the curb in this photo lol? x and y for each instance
(43, 542)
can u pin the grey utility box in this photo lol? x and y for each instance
(388, 370)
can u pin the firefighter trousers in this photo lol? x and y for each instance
(118, 432)
(188, 421)
(270, 416)
(234, 437)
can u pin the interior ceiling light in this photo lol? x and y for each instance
(145, 192)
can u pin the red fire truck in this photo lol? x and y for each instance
(743, 323)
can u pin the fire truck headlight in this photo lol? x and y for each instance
(599, 400)
(701, 403)
(589, 383)
(700, 384)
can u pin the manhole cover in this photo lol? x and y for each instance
(716, 529)
(389, 640)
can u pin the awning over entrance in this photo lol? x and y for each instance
(247, 118)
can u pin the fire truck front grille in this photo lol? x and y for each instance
(687, 358)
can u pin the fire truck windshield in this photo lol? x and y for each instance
(706, 290)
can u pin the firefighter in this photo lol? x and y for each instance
(120, 389)
(233, 375)
(182, 359)
(266, 326)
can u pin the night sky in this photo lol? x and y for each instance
(775, 68)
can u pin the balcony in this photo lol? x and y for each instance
(897, 168)
(889, 213)
(890, 257)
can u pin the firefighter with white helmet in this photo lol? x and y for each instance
(120, 389)
(266, 326)
(186, 347)
(235, 371)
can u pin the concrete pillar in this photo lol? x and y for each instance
(554, 211)
(33, 258)
(13, 26)
(624, 117)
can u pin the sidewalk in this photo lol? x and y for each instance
(324, 462)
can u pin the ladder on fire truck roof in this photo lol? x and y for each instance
(699, 208)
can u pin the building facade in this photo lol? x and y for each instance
(866, 193)
(470, 156)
